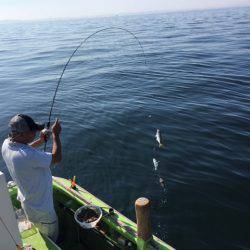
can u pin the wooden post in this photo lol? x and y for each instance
(144, 232)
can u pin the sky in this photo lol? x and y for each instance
(44, 9)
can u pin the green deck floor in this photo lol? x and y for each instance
(38, 241)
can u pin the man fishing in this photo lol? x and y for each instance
(30, 169)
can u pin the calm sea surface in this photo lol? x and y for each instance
(194, 88)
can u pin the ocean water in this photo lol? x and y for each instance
(194, 88)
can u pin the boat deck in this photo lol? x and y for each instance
(113, 232)
(38, 241)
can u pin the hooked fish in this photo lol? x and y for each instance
(156, 164)
(158, 137)
(162, 183)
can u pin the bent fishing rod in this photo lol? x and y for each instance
(71, 56)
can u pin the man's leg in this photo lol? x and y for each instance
(48, 229)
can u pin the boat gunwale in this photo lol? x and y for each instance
(117, 224)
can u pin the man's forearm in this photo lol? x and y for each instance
(36, 143)
(56, 149)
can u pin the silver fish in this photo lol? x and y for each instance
(156, 164)
(162, 183)
(158, 137)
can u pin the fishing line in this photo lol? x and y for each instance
(76, 49)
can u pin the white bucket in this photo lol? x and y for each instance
(88, 225)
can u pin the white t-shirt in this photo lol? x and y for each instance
(30, 169)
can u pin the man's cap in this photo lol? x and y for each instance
(23, 123)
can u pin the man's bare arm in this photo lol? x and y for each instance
(57, 147)
(44, 136)
(36, 143)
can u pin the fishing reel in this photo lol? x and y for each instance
(46, 133)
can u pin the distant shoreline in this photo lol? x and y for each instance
(122, 14)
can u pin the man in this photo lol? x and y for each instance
(30, 169)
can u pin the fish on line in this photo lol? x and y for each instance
(159, 138)
(162, 183)
(156, 164)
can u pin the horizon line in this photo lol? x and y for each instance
(123, 14)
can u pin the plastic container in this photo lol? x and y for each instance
(81, 211)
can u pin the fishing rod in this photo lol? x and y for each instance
(67, 63)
